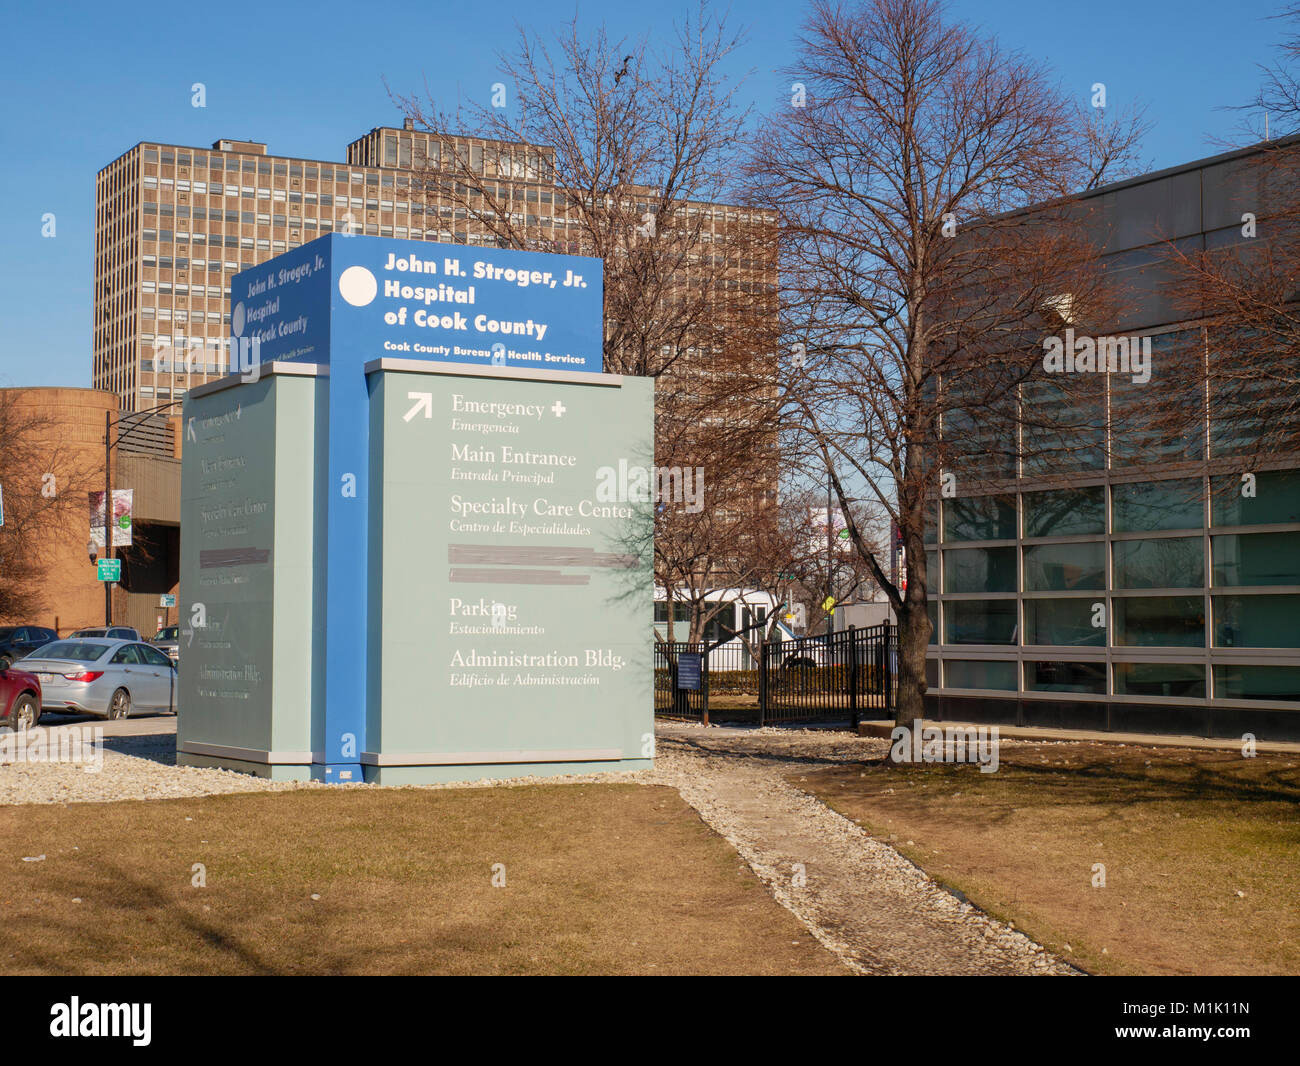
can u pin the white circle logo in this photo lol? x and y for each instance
(237, 320)
(358, 286)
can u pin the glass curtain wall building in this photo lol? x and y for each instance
(1091, 590)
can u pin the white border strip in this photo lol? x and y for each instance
(222, 751)
(474, 370)
(471, 758)
(278, 367)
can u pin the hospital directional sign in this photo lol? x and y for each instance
(342, 303)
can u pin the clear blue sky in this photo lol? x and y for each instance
(82, 83)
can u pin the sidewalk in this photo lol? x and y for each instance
(1145, 740)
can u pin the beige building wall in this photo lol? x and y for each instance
(71, 596)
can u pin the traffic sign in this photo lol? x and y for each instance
(828, 604)
(167, 599)
(109, 569)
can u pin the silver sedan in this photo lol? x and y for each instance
(110, 678)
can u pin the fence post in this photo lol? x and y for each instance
(891, 710)
(706, 652)
(762, 680)
(854, 719)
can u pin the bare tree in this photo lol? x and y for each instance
(622, 150)
(45, 482)
(917, 283)
(614, 149)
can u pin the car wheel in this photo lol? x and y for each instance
(119, 706)
(25, 712)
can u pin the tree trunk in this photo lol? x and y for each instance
(913, 637)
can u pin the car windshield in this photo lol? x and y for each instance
(81, 651)
(89, 633)
(169, 633)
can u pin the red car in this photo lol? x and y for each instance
(20, 698)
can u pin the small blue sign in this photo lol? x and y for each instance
(690, 665)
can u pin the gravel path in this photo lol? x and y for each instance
(873, 908)
(859, 897)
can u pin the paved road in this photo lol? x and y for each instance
(142, 726)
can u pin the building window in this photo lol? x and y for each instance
(1256, 559)
(1065, 677)
(1062, 567)
(980, 518)
(1065, 512)
(1159, 621)
(1065, 622)
(1257, 621)
(980, 621)
(1160, 563)
(1145, 507)
(972, 673)
(1186, 680)
(980, 570)
(1276, 499)
(1243, 682)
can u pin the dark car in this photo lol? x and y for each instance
(20, 698)
(17, 641)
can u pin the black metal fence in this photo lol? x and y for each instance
(850, 675)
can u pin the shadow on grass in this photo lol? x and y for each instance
(136, 900)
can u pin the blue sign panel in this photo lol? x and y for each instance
(371, 297)
(346, 300)
(689, 667)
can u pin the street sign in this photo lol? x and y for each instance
(109, 569)
(167, 599)
(828, 604)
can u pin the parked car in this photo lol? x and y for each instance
(111, 678)
(109, 632)
(17, 641)
(168, 639)
(20, 698)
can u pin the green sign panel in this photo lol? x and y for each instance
(110, 569)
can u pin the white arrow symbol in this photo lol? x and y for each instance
(422, 399)
(189, 430)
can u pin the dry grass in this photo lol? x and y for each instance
(600, 879)
(1180, 834)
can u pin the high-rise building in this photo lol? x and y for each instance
(173, 224)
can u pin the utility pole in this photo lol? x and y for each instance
(108, 513)
(830, 558)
